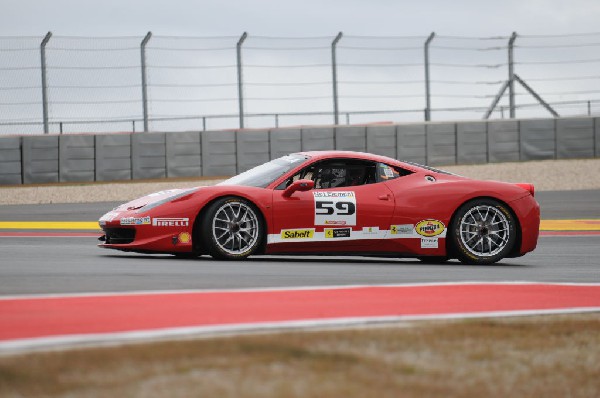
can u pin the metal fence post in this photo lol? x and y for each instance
(144, 80)
(589, 108)
(45, 82)
(511, 74)
(334, 79)
(239, 76)
(427, 87)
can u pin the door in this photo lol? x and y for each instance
(337, 215)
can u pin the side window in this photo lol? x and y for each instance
(337, 173)
(386, 172)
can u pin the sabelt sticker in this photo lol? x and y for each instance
(184, 237)
(429, 243)
(135, 220)
(297, 233)
(403, 229)
(337, 232)
(335, 207)
(171, 222)
(430, 227)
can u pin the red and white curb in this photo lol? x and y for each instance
(40, 322)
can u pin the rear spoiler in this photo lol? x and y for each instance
(527, 187)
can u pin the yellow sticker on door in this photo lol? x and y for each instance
(297, 233)
(430, 227)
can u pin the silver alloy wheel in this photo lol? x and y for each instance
(484, 230)
(235, 227)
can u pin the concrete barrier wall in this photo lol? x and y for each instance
(184, 154)
(252, 148)
(76, 158)
(597, 136)
(471, 143)
(411, 143)
(441, 144)
(40, 159)
(285, 141)
(219, 156)
(113, 157)
(318, 139)
(381, 140)
(503, 141)
(10, 161)
(538, 139)
(148, 156)
(110, 157)
(575, 138)
(353, 138)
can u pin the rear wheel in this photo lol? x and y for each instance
(232, 228)
(483, 231)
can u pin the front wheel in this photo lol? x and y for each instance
(483, 231)
(232, 228)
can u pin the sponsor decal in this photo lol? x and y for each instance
(337, 232)
(429, 243)
(334, 194)
(403, 229)
(430, 227)
(335, 208)
(184, 237)
(135, 220)
(334, 222)
(388, 172)
(370, 230)
(297, 233)
(170, 222)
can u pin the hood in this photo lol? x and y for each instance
(154, 199)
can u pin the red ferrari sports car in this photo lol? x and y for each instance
(333, 203)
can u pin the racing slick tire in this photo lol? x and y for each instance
(483, 231)
(232, 228)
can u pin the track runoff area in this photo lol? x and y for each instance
(47, 321)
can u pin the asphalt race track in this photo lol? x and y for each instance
(42, 265)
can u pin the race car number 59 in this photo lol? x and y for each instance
(335, 208)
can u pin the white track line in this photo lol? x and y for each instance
(284, 288)
(145, 336)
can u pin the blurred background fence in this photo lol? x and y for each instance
(58, 84)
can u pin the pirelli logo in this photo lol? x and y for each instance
(297, 233)
(170, 222)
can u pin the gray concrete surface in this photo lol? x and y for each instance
(62, 265)
(74, 265)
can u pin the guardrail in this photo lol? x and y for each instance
(133, 156)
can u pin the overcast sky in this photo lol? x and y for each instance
(568, 64)
(298, 17)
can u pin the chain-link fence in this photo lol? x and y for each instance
(58, 84)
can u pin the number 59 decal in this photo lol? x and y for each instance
(335, 208)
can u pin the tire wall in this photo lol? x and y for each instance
(113, 157)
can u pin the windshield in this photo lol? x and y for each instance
(263, 175)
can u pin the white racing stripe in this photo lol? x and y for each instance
(365, 233)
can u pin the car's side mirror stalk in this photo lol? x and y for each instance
(299, 185)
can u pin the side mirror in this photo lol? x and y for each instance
(299, 185)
